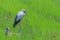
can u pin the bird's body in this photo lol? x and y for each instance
(7, 31)
(18, 18)
(20, 15)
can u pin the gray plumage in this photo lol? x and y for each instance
(19, 16)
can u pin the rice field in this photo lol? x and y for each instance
(42, 20)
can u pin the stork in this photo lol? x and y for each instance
(19, 16)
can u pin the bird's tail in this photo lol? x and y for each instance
(14, 26)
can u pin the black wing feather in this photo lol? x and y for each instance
(16, 22)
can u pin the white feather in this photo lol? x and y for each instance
(20, 15)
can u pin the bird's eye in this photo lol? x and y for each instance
(24, 11)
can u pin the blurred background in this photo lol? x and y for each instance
(42, 21)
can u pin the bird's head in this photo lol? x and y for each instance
(24, 11)
(7, 28)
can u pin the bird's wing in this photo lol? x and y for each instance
(18, 18)
(20, 15)
(15, 19)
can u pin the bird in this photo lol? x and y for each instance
(19, 16)
(7, 31)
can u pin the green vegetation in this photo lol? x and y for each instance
(42, 21)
